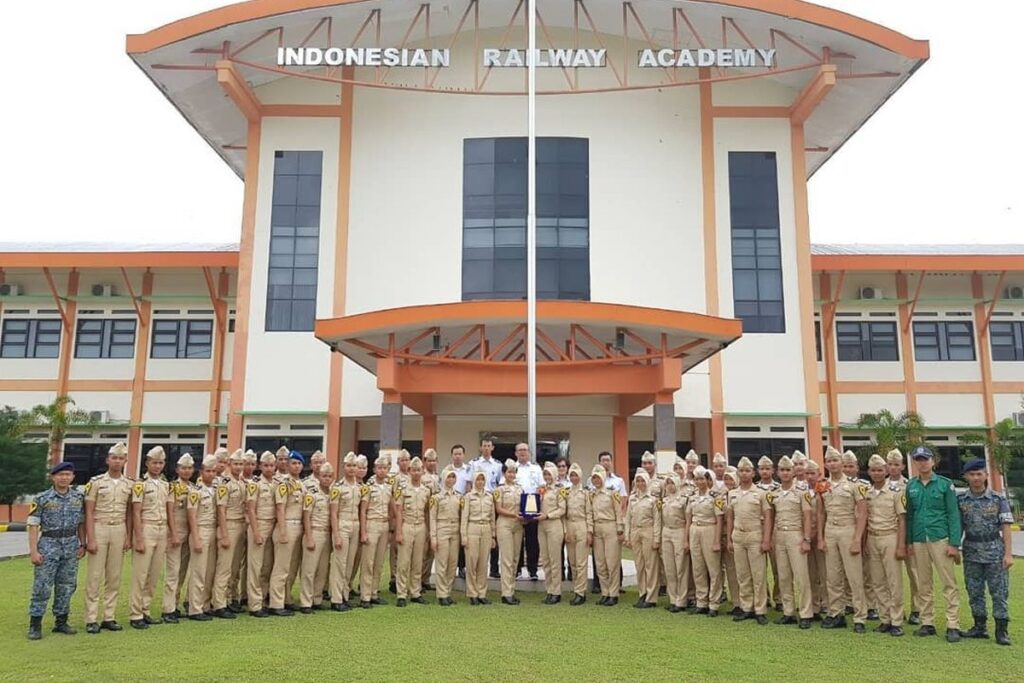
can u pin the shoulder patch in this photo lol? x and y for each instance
(283, 489)
(138, 488)
(88, 487)
(251, 488)
(808, 496)
(308, 500)
(617, 497)
(32, 508)
(497, 494)
(563, 492)
(397, 493)
(771, 499)
(391, 480)
(364, 489)
(222, 491)
(335, 493)
(720, 503)
(903, 499)
(462, 502)
(863, 489)
(433, 501)
(193, 497)
(660, 503)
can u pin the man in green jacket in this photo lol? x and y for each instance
(933, 537)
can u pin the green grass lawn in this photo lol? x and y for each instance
(532, 642)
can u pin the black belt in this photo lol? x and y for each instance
(982, 538)
(60, 533)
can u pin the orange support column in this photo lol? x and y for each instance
(68, 312)
(828, 353)
(139, 378)
(429, 432)
(985, 356)
(620, 446)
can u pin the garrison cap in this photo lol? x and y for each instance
(362, 460)
(785, 463)
(430, 453)
(210, 460)
(326, 468)
(811, 466)
(701, 473)
(648, 457)
(731, 474)
(719, 459)
(404, 454)
(876, 460)
(268, 458)
(383, 461)
(833, 454)
(221, 454)
(692, 456)
(62, 467)
(415, 464)
(186, 461)
(765, 461)
(975, 465)
(849, 456)
(282, 452)
(744, 462)
(894, 457)
(511, 465)
(250, 455)
(350, 458)
(317, 456)
(237, 456)
(156, 454)
(679, 462)
(798, 457)
(673, 479)
(118, 448)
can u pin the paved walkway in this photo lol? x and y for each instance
(13, 544)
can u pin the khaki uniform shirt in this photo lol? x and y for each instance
(885, 505)
(673, 511)
(317, 504)
(790, 506)
(606, 506)
(643, 512)
(413, 502)
(703, 510)
(577, 507)
(552, 501)
(508, 497)
(398, 481)
(202, 499)
(111, 497)
(262, 492)
(478, 510)
(289, 492)
(178, 492)
(231, 495)
(656, 485)
(346, 496)
(310, 482)
(152, 494)
(432, 482)
(841, 500)
(377, 496)
(445, 512)
(748, 508)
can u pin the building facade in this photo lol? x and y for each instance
(375, 296)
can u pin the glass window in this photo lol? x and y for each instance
(494, 218)
(1007, 340)
(105, 338)
(756, 250)
(30, 338)
(186, 338)
(862, 341)
(943, 340)
(294, 243)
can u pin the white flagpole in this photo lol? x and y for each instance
(531, 229)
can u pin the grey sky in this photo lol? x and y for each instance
(94, 152)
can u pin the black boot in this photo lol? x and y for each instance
(1002, 636)
(35, 628)
(979, 630)
(61, 625)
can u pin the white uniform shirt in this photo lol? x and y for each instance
(530, 476)
(463, 478)
(493, 469)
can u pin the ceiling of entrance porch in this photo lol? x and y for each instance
(181, 58)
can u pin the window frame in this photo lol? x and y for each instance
(186, 346)
(1014, 331)
(868, 341)
(32, 346)
(935, 335)
(107, 343)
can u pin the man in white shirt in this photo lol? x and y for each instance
(531, 478)
(492, 468)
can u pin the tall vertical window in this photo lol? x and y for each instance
(294, 241)
(756, 251)
(494, 218)
(30, 338)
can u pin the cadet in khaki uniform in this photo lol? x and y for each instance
(398, 481)
(816, 565)
(261, 514)
(151, 510)
(704, 513)
(176, 569)
(842, 515)
(767, 483)
(202, 533)
(894, 464)
(231, 495)
(579, 533)
(748, 523)
(886, 545)
(344, 533)
(282, 458)
(478, 537)
(509, 525)
(730, 481)
(316, 538)
(362, 466)
(311, 482)
(607, 523)
(551, 533)
(374, 520)
(109, 532)
(433, 484)
(445, 523)
(792, 536)
(411, 533)
(642, 533)
(673, 543)
(288, 498)
(250, 473)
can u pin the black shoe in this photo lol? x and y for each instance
(306, 610)
(872, 615)
(858, 628)
(645, 605)
(151, 621)
(896, 631)
(838, 621)
(819, 616)
(483, 601)
(111, 625)
(761, 619)
(494, 575)
(595, 588)
(202, 616)
(428, 587)
(577, 600)
(612, 602)
(849, 611)
(915, 619)
(280, 612)
(451, 602)
(674, 609)
(737, 611)
(1002, 632)
(170, 618)
(513, 600)
(786, 620)
(547, 599)
(603, 601)
(92, 628)
(883, 628)
(61, 625)
(340, 606)
(378, 601)
(400, 603)
(925, 631)
(474, 601)
(419, 600)
(711, 612)
(743, 616)
(979, 630)
(223, 613)
(139, 624)
(662, 592)
(805, 624)
(691, 604)
(392, 588)
(289, 606)
(702, 610)
(952, 635)
(365, 604)
(259, 614)
(35, 628)
(235, 607)
(555, 599)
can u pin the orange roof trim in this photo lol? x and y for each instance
(198, 24)
(118, 259)
(916, 262)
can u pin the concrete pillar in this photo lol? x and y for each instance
(429, 432)
(391, 430)
(665, 435)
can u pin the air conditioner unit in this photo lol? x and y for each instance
(102, 290)
(99, 416)
(869, 293)
(1014, 292)
(1018, 419)
(10, 289)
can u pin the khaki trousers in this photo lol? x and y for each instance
(428, 563)
(373, 558)
(551, 536)
(677, 565)
(343, 559)
(409, 582)
(478, 554)
(933, 555)
(146, 568)
(356, 563)
(285, 555)
(750, 570)
(577, 553)
(793, 576)
(175, 572)
(447, 556)
(911, 566)
(842, 567)
(510, 540)
(647, 564)
(885, 577)
(707, 566)
(776, 593)
(240, 572)
(202, 566)
(225, 580)
(260, 564)
(817, 572)
(104, 567)
(313, 571)
(607, 557)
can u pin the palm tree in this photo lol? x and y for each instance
(905, 431)
(56, 418)
(1004, 443)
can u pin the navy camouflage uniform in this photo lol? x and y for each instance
(58, 517)
(983, 516)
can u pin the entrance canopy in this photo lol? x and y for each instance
(633, 353)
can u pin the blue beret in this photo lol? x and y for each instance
(62, 467)
(295, 455)
(976, 464)
(921, 452)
